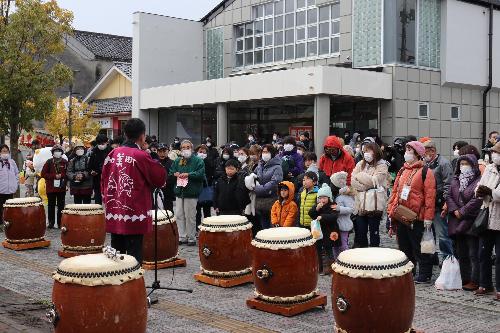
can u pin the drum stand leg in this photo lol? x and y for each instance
(287, 310)
(156, 284)
(26, 246)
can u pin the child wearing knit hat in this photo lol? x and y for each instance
(345, 207)
(325, 213)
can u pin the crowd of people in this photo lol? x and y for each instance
(355, 186)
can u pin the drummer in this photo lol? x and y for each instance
(129, 175)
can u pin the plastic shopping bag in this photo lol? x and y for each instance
(316, 230)
(427, 245)
(450, 278)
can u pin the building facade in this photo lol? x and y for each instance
(390, 67)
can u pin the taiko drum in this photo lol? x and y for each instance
(24, 220)
(168, 239)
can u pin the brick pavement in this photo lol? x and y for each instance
(211, 309)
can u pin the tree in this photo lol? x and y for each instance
(30, 39)
(83, 125)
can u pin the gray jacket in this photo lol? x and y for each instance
(270, 175)
(345, 207)
(9, 177)
(79, 164)
(443, 174)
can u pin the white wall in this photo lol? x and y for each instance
(166, 51)
(464, 47)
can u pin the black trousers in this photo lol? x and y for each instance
(96, 184)
(53, 200)
(3, 198)
(128, 244)
(488, 240)
(409, 243)
(83, 199)
(207, 212)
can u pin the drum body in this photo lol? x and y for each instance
(375, 284)
(83, 228)
(224, 246)
(168, 240)
(100, 304)
(285, 265)
(24, 220)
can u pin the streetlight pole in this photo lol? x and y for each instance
(70, 134)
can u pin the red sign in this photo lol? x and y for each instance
(296, 131)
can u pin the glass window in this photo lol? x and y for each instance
(301, 18)
(268, 25)
(335, 11)
(312, 31)
(289, 38)
(249, 59)
(259, 27)
(335, 45)
(258, 57)
(258, 11)
(248, 29)
(248, 43)
(301, 34)
(429, 33)
(239, 45)
(278, 38)
(324, 46)
(258, 42)
(312, 48)
(268, 55)
(301, 3)
(278, 23)
(278, 53)
(324, 29)
(301, 50)
(268, 9)
(312, 15)
(289, 52)
(311, 2)
(335, 27)
(289, 21)
(239, 31)
(367, 32)
(278, 7)
(400, 31)
(268, 40)
(289, 6)
(215, 53)
(324, 13)
(239, 59)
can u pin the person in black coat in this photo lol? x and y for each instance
(227, 154)
(231, 195)
(168, 190)
(96, 162)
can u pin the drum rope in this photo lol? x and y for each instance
(245, 271)
(287, 300)
(82, 248)
(174, 258)
(21, 241)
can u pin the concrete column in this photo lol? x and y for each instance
(321, 122)
(168, 126)
(222, 115)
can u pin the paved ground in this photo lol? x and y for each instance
(26, 284)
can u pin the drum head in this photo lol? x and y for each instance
(373, 262)
(283, 238)
(225, 223)
(23, 202)
(162, 217)
(98, 270)
(83, 209)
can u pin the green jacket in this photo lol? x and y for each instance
(307, 201)
(196, 170)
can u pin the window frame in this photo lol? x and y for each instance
(459, 110)
(427, 117)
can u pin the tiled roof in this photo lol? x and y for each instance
(103, 46)
(125, 67)
(113, 105)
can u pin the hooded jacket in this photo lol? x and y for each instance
(422, 196)
(344, 162)
(463, 201)
(9, 177)
(284, 213)
(269, 175)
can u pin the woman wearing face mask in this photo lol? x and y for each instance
(54, 173)
(255, 152)
(264, 182)
(244, 159)
(456, 153)
(9, 177)
(489, 190)
(463, 208)
(293, 162)
(80, 181)
(414, 190)
(370, 173)
(251, 141)
(220, 169)
(96, 162)
(202, 152)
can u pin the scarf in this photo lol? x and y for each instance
(5, 163)
(465, 179)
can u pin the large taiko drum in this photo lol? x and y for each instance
(224, 245)
(376, 285)
(83, 229)
(285, 265)
(93, 293)
(24, 220)
(168, 239)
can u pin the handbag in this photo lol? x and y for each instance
(402, 213)
(207, 194)
(372, 203)
(480, 224)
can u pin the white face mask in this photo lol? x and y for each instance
(4, 156)
(242, 158)
(250, 138)
(202, 155)
(79, 152)
(102, 147)
(288, 147)
(455, 153)
(409, 157)
(465, 168)
(368, 157)
(495, 158)
(266, 157)
(57, 154)
(275, 137)
(225, 156)
(209, 144)
(300, 152)
(186, 153)
(427, 158)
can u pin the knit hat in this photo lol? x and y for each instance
(418, 147)
(424, 139)
(496, 148)
(325, 191)
(339, 179)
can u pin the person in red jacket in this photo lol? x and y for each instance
(129, 175)
(336, 159)
(54, 173)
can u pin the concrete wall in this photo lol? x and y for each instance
(240, 11)
(166, 51)
(411, 86)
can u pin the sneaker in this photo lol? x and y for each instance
(191, 243)
(422, 280)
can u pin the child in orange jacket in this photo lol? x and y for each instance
(284, 211)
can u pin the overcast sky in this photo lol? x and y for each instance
(115, 16)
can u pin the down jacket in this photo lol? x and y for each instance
(491, 179)
(344, 162)
(465, 202)
(365, 177)
(269, 175)
(285, 214)
(307, 201)
(422, 196)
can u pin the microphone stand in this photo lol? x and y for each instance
(156, 284)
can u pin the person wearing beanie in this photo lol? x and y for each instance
(414, 190)
(344, 199)
(443, 173)
(284, 211)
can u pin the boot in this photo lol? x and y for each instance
(327, 269)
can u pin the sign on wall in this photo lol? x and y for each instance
(105, 122)
(296, 131)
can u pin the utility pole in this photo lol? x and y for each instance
(70, 104)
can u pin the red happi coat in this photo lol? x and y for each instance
(128, 177)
